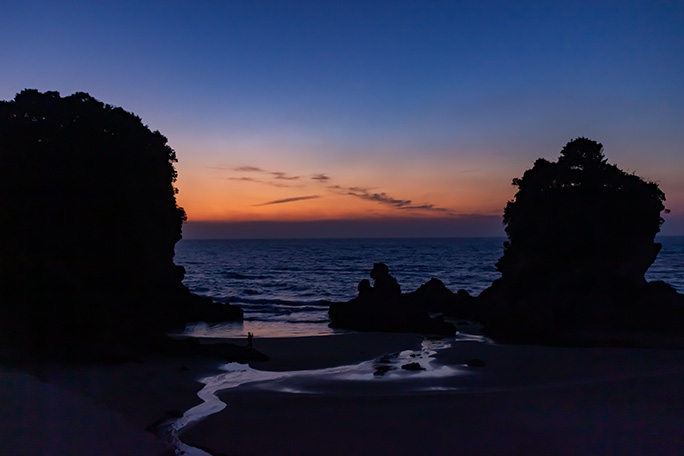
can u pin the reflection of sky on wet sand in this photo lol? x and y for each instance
(239, 329)
(286, 328)
(383, 375)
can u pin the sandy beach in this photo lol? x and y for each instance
(524, 400)
(105, 409)
(111, 409)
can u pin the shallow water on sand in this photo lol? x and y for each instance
(387, 374)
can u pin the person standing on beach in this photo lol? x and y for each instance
(250, 336)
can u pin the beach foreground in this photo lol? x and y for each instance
(105, 409)
(523, 400)
(113, 408)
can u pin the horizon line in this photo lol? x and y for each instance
(444, 228)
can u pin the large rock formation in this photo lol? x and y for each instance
(88, 225)
(580, 239)
(382, 307)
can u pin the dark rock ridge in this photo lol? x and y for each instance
(88, 226)
(580, 239)
(382, 307)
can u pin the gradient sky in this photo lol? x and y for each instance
(398, 118)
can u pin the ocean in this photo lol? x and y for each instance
(283, 285)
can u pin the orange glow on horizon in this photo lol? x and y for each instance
(211, 196)
(268, 186)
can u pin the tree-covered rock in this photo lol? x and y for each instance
(88, 225)
(580, 238)
(579, 219)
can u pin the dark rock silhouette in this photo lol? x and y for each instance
(434, 297)
(88, 226)
(383, 307)
(580, 239)
(382, 370)
(385, 287)
(412, 367)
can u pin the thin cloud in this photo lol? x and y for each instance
(261, 181)
(248, 169)
(365, 193)
(360, 190)
(244, 179)
(320, 177)
(283, 176)
(289, 200)
(277, 175)
(275, 181)
(384, 198)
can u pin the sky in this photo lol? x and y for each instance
(367, 118)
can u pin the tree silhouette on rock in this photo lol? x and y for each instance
(579, 219)
(88, 225)
(580, 239)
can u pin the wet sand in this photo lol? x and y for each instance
(110, 409)
(318, 352)
(524, 400)
(102, 409)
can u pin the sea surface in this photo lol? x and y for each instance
(283, 285)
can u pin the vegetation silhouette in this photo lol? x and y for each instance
(580, 238)
(88, 225)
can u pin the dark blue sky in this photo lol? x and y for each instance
(437, 103)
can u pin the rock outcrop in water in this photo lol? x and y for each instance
(434, 297)
(580, 239)
(88, 225)
(382, 307)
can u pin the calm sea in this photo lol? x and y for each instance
(282, 285)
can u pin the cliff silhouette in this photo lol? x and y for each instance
(88, 226)
(581, 236)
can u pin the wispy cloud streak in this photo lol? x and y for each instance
(261, 181)
(288, 200)
(384, 198)
(276, 181)
(276, 174)
(283, 176)
(248, 169)
(283, 180)
(320, 177)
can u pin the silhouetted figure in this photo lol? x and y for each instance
(250, 339)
